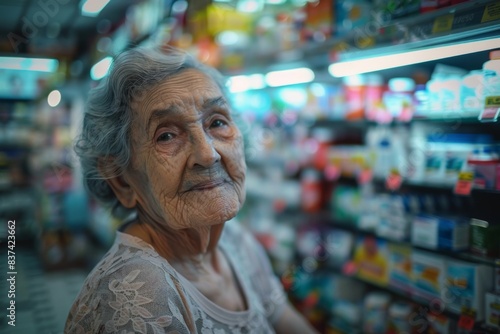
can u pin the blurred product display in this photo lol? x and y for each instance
(371, 134)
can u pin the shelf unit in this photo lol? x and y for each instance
(385, 35)
(464, 22)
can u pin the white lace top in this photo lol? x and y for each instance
(134, 290)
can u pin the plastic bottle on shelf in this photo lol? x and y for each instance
(323, 137)
(471, 91)
(399, 99)
(483, 162)
(491, 72)
(383, 161)
(311, 191)
(421, 101)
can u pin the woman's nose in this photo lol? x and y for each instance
(203, 150)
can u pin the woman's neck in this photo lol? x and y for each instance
(189, 249)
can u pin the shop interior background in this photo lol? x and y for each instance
(372, 146)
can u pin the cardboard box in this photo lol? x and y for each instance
(492, 310)
(465, 285)
(428, 272)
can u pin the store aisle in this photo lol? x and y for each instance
(42, 298)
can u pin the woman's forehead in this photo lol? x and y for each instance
(187, 87)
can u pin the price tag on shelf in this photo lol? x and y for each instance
(466, 322)
(464, 184)
(393, 181)
(332, 172)
(442, 24)
(491, 109)
(491, 12)
(467, 319)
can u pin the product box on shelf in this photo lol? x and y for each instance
(492, 309)
(435, 232)
(428, 270)
(346, 204)
(371, 260)
(400, 267)
(338, 246)
(401, 318)
(497, 280)
(375, 309)
(465, 285)
(484, 238)
(439, 324)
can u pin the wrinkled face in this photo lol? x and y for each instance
(188, 168)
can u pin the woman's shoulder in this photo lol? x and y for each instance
(130, 252)
(131, 278)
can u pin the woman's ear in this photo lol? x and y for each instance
(117, 180)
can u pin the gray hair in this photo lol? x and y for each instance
(108, 116)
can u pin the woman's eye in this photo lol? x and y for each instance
(217, 123)
(165, 137)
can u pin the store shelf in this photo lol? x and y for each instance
(381, 36)
(463, 256)
(449, 24)
(454, 118)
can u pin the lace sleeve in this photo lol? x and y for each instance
(264, 281)
(138, 297)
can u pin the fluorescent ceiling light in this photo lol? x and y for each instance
(101, 68)
(377, 63)
(29, 64)
(289, 77)
(242, 83)
(93, 7)
(249, 6)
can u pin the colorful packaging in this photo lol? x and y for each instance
(346, 204)
(400, 267)
(491, 72)
(440, 324)
(435, 232)
(399, 318)
(471, 91)
(374, 92)
(465, 285)
(319, 20)
(428, 270)
(354, 90)
(311, 191)
(371, 260)
(375, 312)
(338, 246)
(492, 310)
(399, 99)
(484, 238)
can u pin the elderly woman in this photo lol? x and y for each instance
(159, 140)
